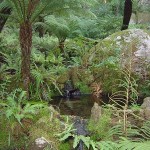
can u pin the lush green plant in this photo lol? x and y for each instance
(3, 88)
(135, 107)
(15, 109)
(87, 141)
(64, 146)
(83, 87)
(125, 144)
(100, 130)
(144, 89)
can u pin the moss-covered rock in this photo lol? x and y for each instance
(133, 46)
(129, 49)
(103, 64)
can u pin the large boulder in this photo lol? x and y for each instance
(132, 47)
(124, 50)
(128, 50)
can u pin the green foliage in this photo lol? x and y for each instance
(64, 146)
(145, 131)
(108, 21)
(87, 141)
(13, 108)
(127, 94)
(129, 145)
(100, 130)
(3, 89)
(83, 87)
(145, 88)
(61, 20)
(66, 133)
(135, 107)
(105, 65)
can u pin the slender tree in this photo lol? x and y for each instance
(127, 14)
(25, 11)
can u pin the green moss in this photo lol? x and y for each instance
(64, 146)
(63, 78)
(83, 87)
(47, 127)
(11, 139)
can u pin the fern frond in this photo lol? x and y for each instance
(125, 144)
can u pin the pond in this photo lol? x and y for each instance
(79, 106)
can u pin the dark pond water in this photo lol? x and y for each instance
(79, 106)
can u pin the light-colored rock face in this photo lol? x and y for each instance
(140, 51)
(39, 144)
(144, 2)
(146, 108)
(134, 49)
(96, 113)
(140, 18)
(143, 45)
(146, 103)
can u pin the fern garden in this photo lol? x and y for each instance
(74, 74)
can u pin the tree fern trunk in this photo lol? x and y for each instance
(25, 44)
(61, 46)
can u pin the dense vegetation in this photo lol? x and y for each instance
(46, 44)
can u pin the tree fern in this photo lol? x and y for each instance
(26, 13)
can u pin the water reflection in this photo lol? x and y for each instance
(79, 106)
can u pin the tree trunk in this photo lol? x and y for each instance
(6, 12)
(61, 46)
(25, 44)
(41, 29)
(127, 14)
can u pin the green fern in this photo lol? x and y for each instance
(13, 109)
(125, 144)
(145, 131)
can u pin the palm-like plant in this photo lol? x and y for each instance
(26, 12)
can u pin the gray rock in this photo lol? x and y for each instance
(146, 103)
(146, 108)
(96, 112)
(147, 113)
(39, 144)
(133, 50)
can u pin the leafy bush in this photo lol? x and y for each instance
(14, 111)
(100, 130)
